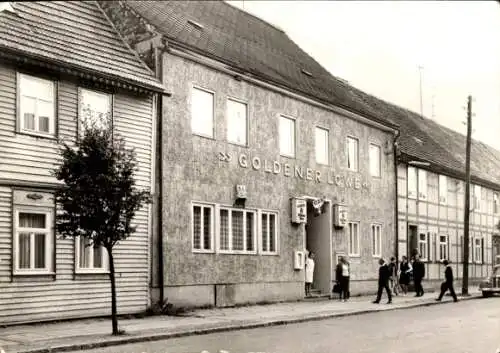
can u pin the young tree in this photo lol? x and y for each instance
(99, 198)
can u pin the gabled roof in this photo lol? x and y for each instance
(74, 34)
(247, 43)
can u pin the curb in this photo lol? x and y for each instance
(226, 328)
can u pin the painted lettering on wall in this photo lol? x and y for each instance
(340, 180)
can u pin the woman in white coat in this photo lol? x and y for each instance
(309, 272)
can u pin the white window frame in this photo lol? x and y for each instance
(478, 250)
(376, 232)
(322, 149)
(194, 123)
(354, 249)
(91, 269)
(212, 227)
(229, 101)
(20, 119)
(444, 246)
(290, 154)
(260, 235)
(230, 211)
(378, 172)
(496, 208)
(49, 241)
(422, 184)
(443, 189)
(412, 184)
(81, 92)
(477, 198)
(425, 245)
(355, 166)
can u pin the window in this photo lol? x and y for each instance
(287, 136)
(422, 246)
(375, 160)
(33, 241)
(422, 184)
(90, 258)
(203, 227)
(376, 240)
(354, 239)
(495, 203)
(269, 232)
(352, 154)
(36, 97)
(237, 122)
(95, 110)
(322, 149)
(202, 112)
(412, 182)
(477, 198)
(237, 230)
(462, 244)
(443, 189)
(443, 247)
(478, 250)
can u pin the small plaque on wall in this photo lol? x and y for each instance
(340, 216)
(299, 211)
(241, 191)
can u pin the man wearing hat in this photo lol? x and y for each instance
(448, 283)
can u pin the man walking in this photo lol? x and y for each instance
(383, 282)
(418, 276)
(448, 283)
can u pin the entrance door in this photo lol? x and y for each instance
(412, 239)
(318, 240)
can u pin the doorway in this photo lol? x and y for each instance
(318, 234)
(412, 239)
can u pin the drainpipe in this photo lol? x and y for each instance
(396, 203)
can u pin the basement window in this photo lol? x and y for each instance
(195, 24)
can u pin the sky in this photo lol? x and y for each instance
(379, 46)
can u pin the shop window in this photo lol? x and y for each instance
(37, 105)
(443, 247)
(423, 247)
(376, 240)
(354, 239)
(412, 182)
(269, 232)
(352, 153)
(237, 230)
(443, 189)
(203, 227)
(495, 203)
(287, 136)
(422, 184)
(202, 112)
(237, 122)
(478, 250)
(33, 240)
(322, 148)
(90, 258)
(95, 110)
(375, 157)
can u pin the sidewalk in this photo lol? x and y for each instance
(93, 333)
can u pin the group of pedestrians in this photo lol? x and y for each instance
(392, 279)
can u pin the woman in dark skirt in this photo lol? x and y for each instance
(404, 276)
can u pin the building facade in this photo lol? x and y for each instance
(241, 153)
(63, 65)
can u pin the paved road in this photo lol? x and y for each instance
(464, 327)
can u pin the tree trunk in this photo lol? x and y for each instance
(114, 318)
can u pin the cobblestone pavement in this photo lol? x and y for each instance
(464, 327)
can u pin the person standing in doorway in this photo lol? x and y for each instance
(418, 276)
(404, 275)
(448, 283)
(342, 274)
(309, 272)
(383, 282)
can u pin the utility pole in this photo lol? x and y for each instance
(420, 68)
(465, 277)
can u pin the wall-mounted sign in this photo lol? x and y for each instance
(241, 191)
(341, 180)
(299, 211)
(318, 206)
(34, 196)
(340, 215)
